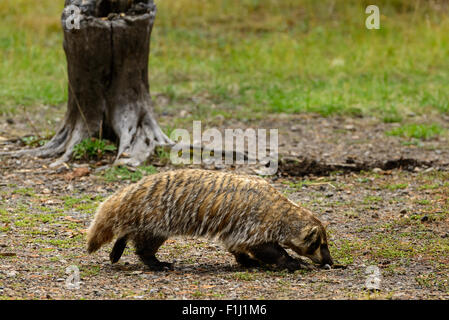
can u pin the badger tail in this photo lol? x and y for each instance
(101, 230)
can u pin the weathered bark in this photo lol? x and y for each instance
(107, 59)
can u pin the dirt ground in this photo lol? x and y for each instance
(381, 211)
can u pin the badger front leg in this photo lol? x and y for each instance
(273, 253)
(146, 248)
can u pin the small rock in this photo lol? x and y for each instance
(327, 267)
(137, 272)
(60, 280)
(329, 195)
(377, 170)
(100, 190)
(11, 274)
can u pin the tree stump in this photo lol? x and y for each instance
(107, 58)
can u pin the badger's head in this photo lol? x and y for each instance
(310, 240)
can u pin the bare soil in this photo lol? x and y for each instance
(394, 217)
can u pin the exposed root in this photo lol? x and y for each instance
(108, 82)
(138, 138)
(305, 166)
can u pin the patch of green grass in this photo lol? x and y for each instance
(244, 276)
(372, 199)
(432, 281)
(397, 186)
(89, 271)
(417, 131)
(92, 148)
(423, 202)
(343, 251)
(123, 173)
(34, 141)
(391, 115)
(252, 57)
(66, 243)
(429, 187)
(29, 192)
(84, 203)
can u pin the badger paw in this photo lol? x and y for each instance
(155, 265)
(161, 266)
(293, 265)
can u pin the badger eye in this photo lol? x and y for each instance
(313, 246)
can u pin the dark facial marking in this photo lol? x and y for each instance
(326, 255)
(312, 248)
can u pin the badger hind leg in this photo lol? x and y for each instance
(273, 253)
(118, 249)
(146, 248)
(245, 260)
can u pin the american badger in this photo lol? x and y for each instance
(250, 217)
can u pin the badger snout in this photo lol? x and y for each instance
(325, 256)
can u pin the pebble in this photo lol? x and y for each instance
(11, 274)
(137, 272)
(327, 267)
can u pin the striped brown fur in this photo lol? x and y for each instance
(244, 212)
